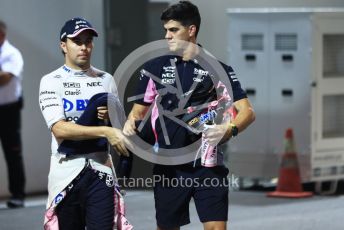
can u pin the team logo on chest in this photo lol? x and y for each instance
(77, 104)
(200, 74)
(168, 76)
(71, 85)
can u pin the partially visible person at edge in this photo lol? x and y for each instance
(181, 22)
(11, 103)
(81, 192)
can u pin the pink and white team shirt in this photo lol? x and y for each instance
(64, 95)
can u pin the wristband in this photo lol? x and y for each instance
(234, 129)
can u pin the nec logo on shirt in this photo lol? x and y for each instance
(168, 77)
(79, 104)
(71, 85)
(94, 84)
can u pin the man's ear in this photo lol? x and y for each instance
(63, 46)
(192, 31)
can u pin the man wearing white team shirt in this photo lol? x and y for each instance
(11, 68)
(87, 200)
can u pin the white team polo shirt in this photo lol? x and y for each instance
(11, 61)
(64, 95)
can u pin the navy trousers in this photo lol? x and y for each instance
(89, 203)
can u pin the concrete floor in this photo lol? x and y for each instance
(248, 211)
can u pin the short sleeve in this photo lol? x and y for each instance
(146, 89)
(50, 100)
(113, 87)
(13, 63)
(238, 92)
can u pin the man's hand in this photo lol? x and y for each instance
(103, 113)
(137, 113)
(216, 134)
(5, 78)
(129, 127)
(118, 141)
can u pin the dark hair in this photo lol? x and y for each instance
(3, 27)
(184, 12)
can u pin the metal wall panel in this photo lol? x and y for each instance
(277, 78)
(248, 56)
(289, 80)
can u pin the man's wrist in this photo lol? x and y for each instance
(228, 133)
(106, 131)
(233, 129)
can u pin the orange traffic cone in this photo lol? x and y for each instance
(289, 180)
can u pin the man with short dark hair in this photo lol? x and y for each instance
(81, 186)
(11, 103)
(181, 23)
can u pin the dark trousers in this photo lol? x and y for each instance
(89, 203)
(10, 136)
(124, 166)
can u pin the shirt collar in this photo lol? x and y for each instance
(3, 45)
(179, 59)
(75, 72)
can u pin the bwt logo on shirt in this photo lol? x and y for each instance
(79, 104)
(71, 85)
(201, 72)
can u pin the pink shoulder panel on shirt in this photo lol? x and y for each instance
(151, 92)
